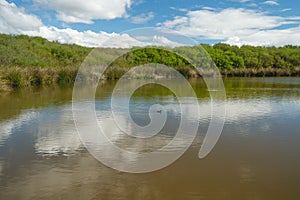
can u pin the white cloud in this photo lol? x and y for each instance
(124, 41)
(233, 26)
(78, 11)
(163, 41)
(101, 39)
(179, 9)
(271, 3)
(178, 21)
(219, 25)
(285, 10)
(183, 10)
(143, 18)
(16, 20)
(127, 41)
(252, 5)
(93, 39)
(268, 38)
(71, 36)
(208, 8)
(230, 24)
(244, 1)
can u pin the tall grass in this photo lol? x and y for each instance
(261, 72)
(18, 77)
(14, 78)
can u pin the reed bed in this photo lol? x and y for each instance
(262, 72)
(20, 77)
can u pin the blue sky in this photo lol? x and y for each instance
(89, 22)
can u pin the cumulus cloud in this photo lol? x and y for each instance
(101, 39)
(160, 40)
(15, 20)
(236, 26)
(78, 11)
(71, 36)
(231, 25)
(143, 18)
(218, 25)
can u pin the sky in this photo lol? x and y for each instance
(92, 22)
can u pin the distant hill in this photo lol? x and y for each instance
(34, 61)
(25, 51)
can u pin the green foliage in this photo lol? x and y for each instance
(25, 51)
(151, 55)
(232, 57)
(34, 61)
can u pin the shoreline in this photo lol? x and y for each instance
(261, 72)
(12, 78)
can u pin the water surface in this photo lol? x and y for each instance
(257, 156)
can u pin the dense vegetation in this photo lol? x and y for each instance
(229, 57)
(28, 61)
(24, 51)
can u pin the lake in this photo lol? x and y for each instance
(256, 157)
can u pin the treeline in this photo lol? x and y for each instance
(231, 60)
(26, 61)
(230, 57)
(25, 51)
(225, 57)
